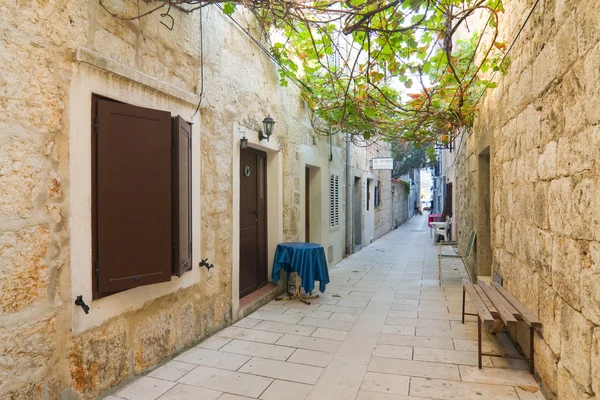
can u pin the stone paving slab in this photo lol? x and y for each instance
(384, 330)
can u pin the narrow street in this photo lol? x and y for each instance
(383, 330)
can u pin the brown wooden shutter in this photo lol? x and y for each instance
(132, 196)
(182, 196)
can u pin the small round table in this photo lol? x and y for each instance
(309, 263)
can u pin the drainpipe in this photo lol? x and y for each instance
(349, 192)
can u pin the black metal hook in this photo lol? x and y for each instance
(79, 301)
(204, 263)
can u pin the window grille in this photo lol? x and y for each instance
(334, 201)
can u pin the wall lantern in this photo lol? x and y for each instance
(268, 124)
(244, 143)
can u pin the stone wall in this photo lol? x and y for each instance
(375, 221)
(400, 203)
(541, 129)
(48, 348)
(384, 214)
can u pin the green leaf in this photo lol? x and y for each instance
(370, 112)
(228, 8)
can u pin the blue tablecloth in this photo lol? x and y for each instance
(307, 259)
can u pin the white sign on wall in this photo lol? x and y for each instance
(382, 163)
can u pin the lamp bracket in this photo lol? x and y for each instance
(262, 136)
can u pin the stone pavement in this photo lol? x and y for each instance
(384, 330)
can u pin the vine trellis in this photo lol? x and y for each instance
(376, 68)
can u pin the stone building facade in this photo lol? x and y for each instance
(369, 194)
(57, 54)
(527, 180)
(400, 202)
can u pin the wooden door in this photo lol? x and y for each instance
(253, 221)
(307, 205)
(357, 211)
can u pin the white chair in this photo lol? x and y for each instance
(442, 229)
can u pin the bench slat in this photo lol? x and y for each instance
(480, 307)
(529, 318)
(506, 304)
(505, 315)
(485, 299)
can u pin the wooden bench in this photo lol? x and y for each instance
(495, 307)
(462, 257)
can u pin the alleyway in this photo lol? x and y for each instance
(383, 330)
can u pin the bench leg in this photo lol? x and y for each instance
(479, 341)
(531, 350)
(463, 306)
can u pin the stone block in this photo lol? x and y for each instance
(151, 65)
(546, 364)
(595, 255)
(188, 328)
(566, 45)
(591, 76)
(543, 250)
(547, 161)
(553, 118)
(153, 339)
(512, 98)
(99, 359)
(569, 388)
(523, 90)
(583, 212)
(24, 274)
(594, 212)
(31, 391)
(521, 167)
(114, 47)
(546, 68)
(596, 361)
(560, 207)
(550, 311)
(123, 30)
(576, 345)
(521, 232)
(529, 125)
(566, 270)
(32, 96)
(540, 214)
(572, 91)
(498, 234)
(531, 166)
(587, 26)
(577, 153)
(563, 10)
(21, 173)
(530, 292)
(507, 171)
(510, 133)
(546, 12)
(508, 237)
(590, 294)
(26, 349)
